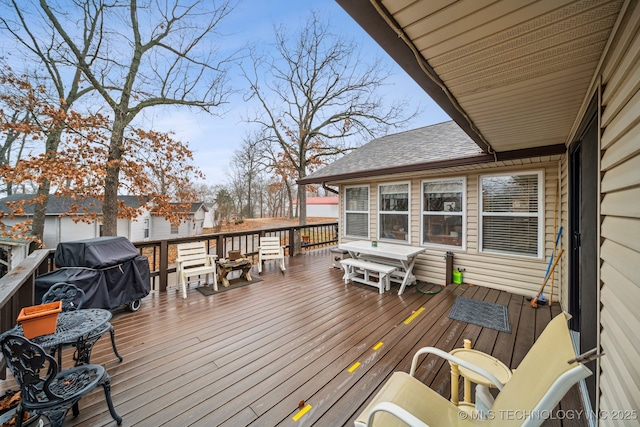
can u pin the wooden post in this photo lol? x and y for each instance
(164, 264)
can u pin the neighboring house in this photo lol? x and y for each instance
(61, 228)
(549, 92)
(211, 217)
(321, 207)
(193, 226)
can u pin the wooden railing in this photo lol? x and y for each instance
(17, 287)
(295, 239)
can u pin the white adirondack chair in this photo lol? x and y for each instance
(193, 260)
(270, 249)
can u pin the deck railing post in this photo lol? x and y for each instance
(220, 246)
(164, 264)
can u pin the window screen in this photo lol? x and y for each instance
(512, 214)
(394, 212)
(356, 211)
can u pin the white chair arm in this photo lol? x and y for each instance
(396, 411)
(432, 350)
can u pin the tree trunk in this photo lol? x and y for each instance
(39, 215)
(40, 208)
(111, 181)
(290, 196)
(302, 205)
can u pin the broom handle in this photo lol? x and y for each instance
(546, 279)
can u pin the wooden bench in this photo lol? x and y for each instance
(359, 270)
(194, 260)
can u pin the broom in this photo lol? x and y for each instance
(534, 300)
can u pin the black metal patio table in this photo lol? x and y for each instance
(73, 328)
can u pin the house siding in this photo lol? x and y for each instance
(520, 275)
(619, 372)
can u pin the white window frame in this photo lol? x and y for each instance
(407, 212)
(539, 214)
(463, 213)
(347, 211)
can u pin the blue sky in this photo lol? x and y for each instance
(214, 140)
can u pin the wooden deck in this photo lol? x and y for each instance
(250, 356)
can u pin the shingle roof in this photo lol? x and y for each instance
(430, 144)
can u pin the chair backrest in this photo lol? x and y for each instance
(32, 368)
(72, 297)
(542, 378)
(192, 254)
(270, 242)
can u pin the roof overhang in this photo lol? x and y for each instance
(513, 74)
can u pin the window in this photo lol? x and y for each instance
(356, 212)
(174, 229)
(394, 212)
(511, 214)
(443, 212)
(147, 225)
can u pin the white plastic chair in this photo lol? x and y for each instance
(194, 260)
(270, 249)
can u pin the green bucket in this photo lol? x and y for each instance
(457, 277)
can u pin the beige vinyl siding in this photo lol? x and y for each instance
(563, 264)
(517, 274)
(619, 380)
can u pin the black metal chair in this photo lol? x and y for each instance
(72, 298)
(47, 391)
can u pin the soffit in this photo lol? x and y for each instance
(519, 71)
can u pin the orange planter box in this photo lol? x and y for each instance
(39, 319)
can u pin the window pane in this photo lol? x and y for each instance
(357, 224)
(394, 197)
(357, 199)
(442, 229)
(394, 226)
(517, 235)
(518, 193)
(443, 196)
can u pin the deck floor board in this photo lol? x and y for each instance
(250, 356)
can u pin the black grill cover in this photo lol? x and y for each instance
(95, 253)
(108, 269)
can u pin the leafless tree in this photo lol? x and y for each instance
(319, 98)
(248, 161)
(144, 55)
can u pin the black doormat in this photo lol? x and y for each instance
(481, 313)
(233, 284)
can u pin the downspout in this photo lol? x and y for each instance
(332, 190)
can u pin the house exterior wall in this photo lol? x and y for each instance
(619, 266)
(64, 229)
(198, 223)
(322, 211)
(161, 229)
(516, 274)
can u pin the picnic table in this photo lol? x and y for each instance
(402, 256)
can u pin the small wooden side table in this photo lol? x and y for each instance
(225, 267)
(481, 360)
